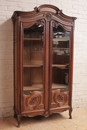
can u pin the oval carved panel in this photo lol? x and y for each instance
(60, 98)
(32, 101)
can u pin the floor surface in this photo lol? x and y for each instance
(54, 122)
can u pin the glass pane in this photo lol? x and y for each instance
(60, 58)
(33, 59)
(35, 31)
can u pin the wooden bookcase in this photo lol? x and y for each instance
(43, 62)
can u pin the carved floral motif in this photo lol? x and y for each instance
(60, 98)
(48, 16)
(33, 101)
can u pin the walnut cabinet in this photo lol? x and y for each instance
(43, 61)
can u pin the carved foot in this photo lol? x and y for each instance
(46, 114)
(70, 116)
(70, 113)
(18, 119)
(18, 125)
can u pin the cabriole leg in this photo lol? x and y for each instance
(70, 113)
(18, 120)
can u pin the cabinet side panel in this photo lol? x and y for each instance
(15, 67)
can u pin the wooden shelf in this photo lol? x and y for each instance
(33, 87)
(67, 38)
(33, 65)
(55, 48)
(32, 39)
(61, 66)
(59, 86)
(36, 51)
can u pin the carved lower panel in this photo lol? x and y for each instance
(59, 98)
(34, 101)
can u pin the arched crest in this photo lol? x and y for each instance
(42, 9)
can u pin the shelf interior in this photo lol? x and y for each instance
(32, 76)
(59, 86)
(32, 39)
(40, 87)
(33, 54)
(33, 87)
(61, 66)
(33, 58)
(34, 64)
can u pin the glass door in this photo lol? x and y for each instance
(33, 66)
(59, 65)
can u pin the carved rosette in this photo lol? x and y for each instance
(48, 16)
(33, 101)
(60, 98)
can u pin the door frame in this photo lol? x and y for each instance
(25, 23)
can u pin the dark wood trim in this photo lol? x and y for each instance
(50, 73)
(21, 63)
(14, 65)
(71, 71)
(18, 66)
(46, 68)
